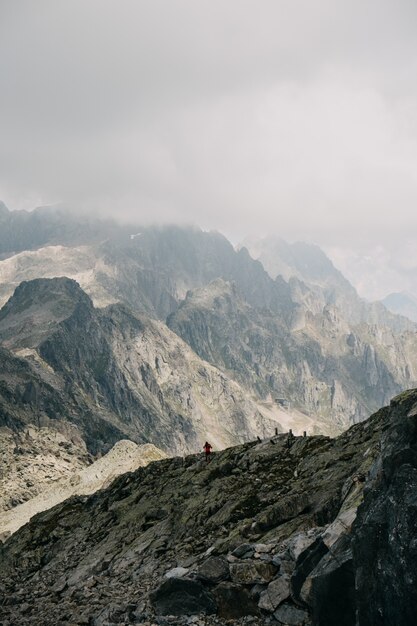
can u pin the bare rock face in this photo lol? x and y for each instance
(384, 538)
(277, 591)
(135, 552)
(313, 362)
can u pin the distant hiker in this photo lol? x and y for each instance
(207, 449)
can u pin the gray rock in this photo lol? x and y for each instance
(329, 590)
(234, 601)
(263, 547)
(299, 543)
(182, 596)
(291, 615)
(276, 561)
(287, 566)
(306, 562)
(214, 570)
(276, 592)
(252, 572)
(243, 549)
(257, 590)
(177, 572)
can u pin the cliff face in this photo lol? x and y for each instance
(385, 533)
(316, 360)
(266, 529)
(114, 375)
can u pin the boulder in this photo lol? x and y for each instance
(177, 572)
(263, 547)
(213, 570)
(234, 601)
(182, 596)
(291, 615)
(300, 542)
(252, 572)
(329, 590)
(306, 562)
(276, 592)
(244, 549)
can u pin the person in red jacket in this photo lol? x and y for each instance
(207, 449)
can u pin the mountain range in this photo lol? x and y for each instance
(120, 345)
(170, 335)
(312, 531)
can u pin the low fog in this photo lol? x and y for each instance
(276, 116)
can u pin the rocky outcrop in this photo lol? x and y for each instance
(231, 539)
(384, 540)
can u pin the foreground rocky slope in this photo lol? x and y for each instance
(266, 529)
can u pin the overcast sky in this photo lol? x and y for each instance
(287, 116)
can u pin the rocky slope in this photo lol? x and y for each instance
(269, 529)
(56, 476)
(81, 263)
(32, 457)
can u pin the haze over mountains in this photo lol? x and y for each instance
(167, 337)
(185, 337)
(403, 304)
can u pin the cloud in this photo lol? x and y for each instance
(282, 116)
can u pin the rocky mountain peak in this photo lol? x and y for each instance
(37, 307)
